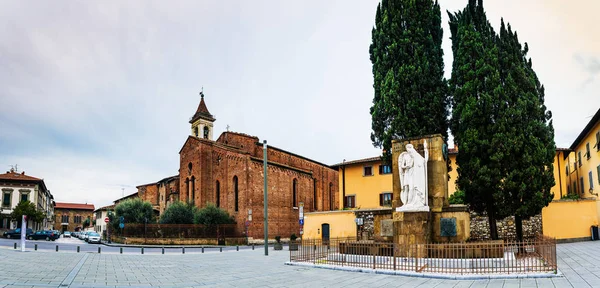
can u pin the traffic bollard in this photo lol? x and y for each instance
(77, 249)
(163, 250)
(252, 246)
(121, 250)
(56, 248)
(15, 245)
(237, 248)
(35, 247)
(202, 249)
(99, 250)
(142, 250)
(182, 250)
(220, 249)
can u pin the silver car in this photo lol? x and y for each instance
(93, 237)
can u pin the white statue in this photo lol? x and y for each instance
(413, 179)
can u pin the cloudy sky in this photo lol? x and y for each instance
(95, 96)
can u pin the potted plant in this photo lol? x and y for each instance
(278, 245)
(293, 243)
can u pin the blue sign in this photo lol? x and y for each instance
(301, 221)
(121, 225)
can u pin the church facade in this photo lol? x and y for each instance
(228, 172)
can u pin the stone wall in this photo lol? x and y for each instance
(506, 227)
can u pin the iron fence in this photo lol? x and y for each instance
(507, 257)
(179, 231)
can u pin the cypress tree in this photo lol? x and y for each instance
(410, 89)
(477, 108)
(499, 121)
(529, 163)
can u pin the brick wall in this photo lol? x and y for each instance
(58, 213)
(213, 162)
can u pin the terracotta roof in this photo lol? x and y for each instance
(595, 119)
(10, 175)
(132, 195)
(60, 205)
(105, 208)
(202, 111)
(365, 160)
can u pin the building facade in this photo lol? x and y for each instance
(17, 187)
(228, 172)
(72, 216)
(99, 215)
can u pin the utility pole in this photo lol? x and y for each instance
(266, 213)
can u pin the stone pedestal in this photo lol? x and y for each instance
(412, 228)
(437, 170)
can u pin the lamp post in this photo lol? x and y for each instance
(266, 203)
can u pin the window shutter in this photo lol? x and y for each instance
(380, 169)
(598, 170)
(345, 202)
(380, 199)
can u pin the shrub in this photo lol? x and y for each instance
(457, 198)
(211, 215)
(135, 211)
(293, 237)
(278, 239)
(179, 213)
(571, 196)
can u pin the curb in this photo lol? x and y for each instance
(428, 275)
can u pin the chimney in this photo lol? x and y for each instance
(23, 173)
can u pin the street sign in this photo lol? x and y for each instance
(301, 221)
(106, 220)
(247, 223)
(121, 219)
(121, 225)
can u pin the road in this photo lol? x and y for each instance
(71, 244)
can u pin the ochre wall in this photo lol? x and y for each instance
(587, 165)
(569, 219)
(452, 175)
(341, 224)
(366, 189)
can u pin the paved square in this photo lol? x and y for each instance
(247, 268)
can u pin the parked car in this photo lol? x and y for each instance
(67, 234)
(75, 234)
(16, 233)
(93, 237)
(43, 234)
(86, 236)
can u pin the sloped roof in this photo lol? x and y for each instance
(595, 119)
(11, 175)
(80, 206)
(202, 111)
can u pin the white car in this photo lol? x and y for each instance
(93, 237)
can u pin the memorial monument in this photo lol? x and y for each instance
(420, 194)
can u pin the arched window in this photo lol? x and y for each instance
(294, 193)
(330, 196)
(205, 132)
(196, 131)
(190, 168)
(193, 190)
(187, 188)
(218, 194)
(236, 192)
(314, 194)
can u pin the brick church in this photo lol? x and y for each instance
(229, 173)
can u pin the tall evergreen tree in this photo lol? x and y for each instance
(529, 163)
(476, 91)
(499, 121)
(408, 70)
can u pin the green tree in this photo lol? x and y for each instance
(499, 121)
(410, 89)
(179, 213)
(135, 211)
(211, 215)
(86, 223)
(29, 209)
(457, 197)
(477, 122)
(529, 162)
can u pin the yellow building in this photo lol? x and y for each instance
(577, 174)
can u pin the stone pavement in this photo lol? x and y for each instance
(579, 262)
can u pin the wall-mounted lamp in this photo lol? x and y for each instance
(318, 231)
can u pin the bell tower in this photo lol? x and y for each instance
(202, 121)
